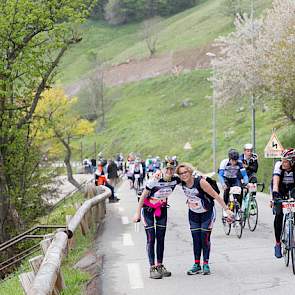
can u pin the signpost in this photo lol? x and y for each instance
(273, 148)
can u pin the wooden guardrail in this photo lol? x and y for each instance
(46, 278)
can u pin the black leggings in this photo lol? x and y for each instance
(154, 233)
(278, 225)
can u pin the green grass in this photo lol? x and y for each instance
(74, 279)
(194, 28)
(147, 117)
(101, 39)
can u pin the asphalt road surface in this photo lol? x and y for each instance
(238, 266)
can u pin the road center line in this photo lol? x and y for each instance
(127, 240)
(125, 220)
(135, 278)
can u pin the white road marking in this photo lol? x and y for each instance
(125, 220)
(135, 277)
(121, 209)
(127, 240)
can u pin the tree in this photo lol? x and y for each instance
(150, 34)
(97, 96)
(236, 7)
(60, 123)
(34, 35)
(259, 58)
(115, 13)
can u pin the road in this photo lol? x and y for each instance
(64, 187)
(238, 266)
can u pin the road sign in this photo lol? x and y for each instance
(187, 146)
(273, 148)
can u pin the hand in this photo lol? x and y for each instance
(276, 196)
(230, 215)
(136, 217)
(157, 175)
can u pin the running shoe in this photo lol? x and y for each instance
(162, 269)
(196, 268)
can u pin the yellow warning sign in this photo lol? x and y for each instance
(273, 148)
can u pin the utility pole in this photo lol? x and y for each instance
(253, 114)
(214, 132)
(214, 142)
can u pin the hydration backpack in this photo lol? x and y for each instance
(213, 184)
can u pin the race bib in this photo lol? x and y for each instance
(163, 193)
(194, 204)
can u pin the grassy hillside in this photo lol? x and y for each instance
(193, 28)
(148, 117)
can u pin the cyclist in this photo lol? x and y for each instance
(152, 209)
(283, 181)
(229, 174)
(249, 160)
(200, 199)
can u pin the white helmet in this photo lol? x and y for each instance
(248, 146)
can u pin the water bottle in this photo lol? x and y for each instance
(136, 226)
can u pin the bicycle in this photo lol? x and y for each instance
(288, 232)
(249, 204)
(234, 205)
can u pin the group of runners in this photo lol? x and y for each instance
(200, 193)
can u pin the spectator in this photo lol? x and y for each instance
(112, 171)
(100, 179)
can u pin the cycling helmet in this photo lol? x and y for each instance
(289, 155)
(233, 154)
(248, 146)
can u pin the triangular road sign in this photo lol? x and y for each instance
(273, 148)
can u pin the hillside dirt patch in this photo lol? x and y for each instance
(136, 70)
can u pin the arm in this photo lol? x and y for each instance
(221, 176)
(144, 195)
(276, 182)
(245, 176)
(206, 187)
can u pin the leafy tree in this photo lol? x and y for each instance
(150, 31)
(60, 124)
(259, 58)
(34, 35)
(236, 7)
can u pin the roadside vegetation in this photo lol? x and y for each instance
(74, 279)
(158, 116)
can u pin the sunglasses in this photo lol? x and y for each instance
(183, 173)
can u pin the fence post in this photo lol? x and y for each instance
(71, 242)
(59, 284)
(26, 280)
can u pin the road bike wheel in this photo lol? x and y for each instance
(252, 214)
(292, 245)
(285, 242)
(226, 225)
(238, 224)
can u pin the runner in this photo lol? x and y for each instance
(152, 209)
(200, 199)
